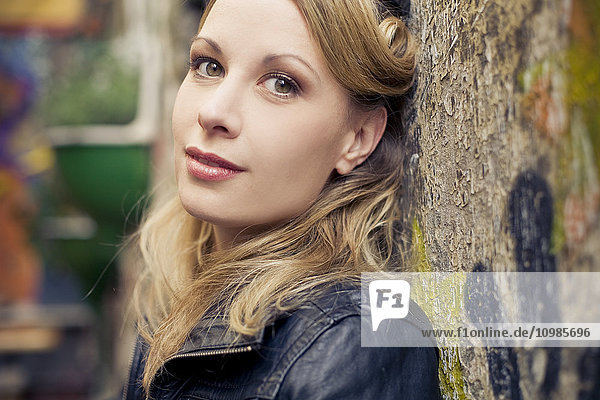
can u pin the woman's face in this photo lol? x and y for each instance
(259, 123)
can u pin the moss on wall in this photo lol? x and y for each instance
(450, 370)
(584, 64)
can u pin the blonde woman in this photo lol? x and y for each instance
(288, 169)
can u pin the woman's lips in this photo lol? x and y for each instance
(208, 166)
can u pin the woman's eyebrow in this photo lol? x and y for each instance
(267, 60)
(210, 42)
(274, 57)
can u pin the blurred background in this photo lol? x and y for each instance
(86, 90)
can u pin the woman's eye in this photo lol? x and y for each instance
(281, 85)
(208, 68)
(211, 68)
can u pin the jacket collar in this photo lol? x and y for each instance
(211, 336)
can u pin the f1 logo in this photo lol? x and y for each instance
(389, 299)
(381, 297)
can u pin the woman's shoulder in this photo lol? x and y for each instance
(347, 304)
(323, 356)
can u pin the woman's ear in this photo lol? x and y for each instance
(362, 140)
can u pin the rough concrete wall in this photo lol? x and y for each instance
(503, 165)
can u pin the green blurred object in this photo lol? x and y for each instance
(105, 180)
(91, 260)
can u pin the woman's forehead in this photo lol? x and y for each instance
(267, 20)
(259, 29)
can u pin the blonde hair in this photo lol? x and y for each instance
(349, 229)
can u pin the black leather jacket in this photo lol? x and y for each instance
(311, 354)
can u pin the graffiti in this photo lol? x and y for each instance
(504, 373)
(530, 212)
(503, 368)
(530, 209)
(589, 375)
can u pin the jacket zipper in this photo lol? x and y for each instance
(216, 352)
(126, 389)
(199, 353)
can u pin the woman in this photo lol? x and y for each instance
(287, 169)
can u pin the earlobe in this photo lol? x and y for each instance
(364, 140)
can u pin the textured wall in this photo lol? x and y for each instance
(503, 167)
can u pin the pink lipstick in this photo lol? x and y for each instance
(208, 166)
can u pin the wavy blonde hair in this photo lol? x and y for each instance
(349, 229)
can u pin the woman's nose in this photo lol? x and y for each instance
(220, 112)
